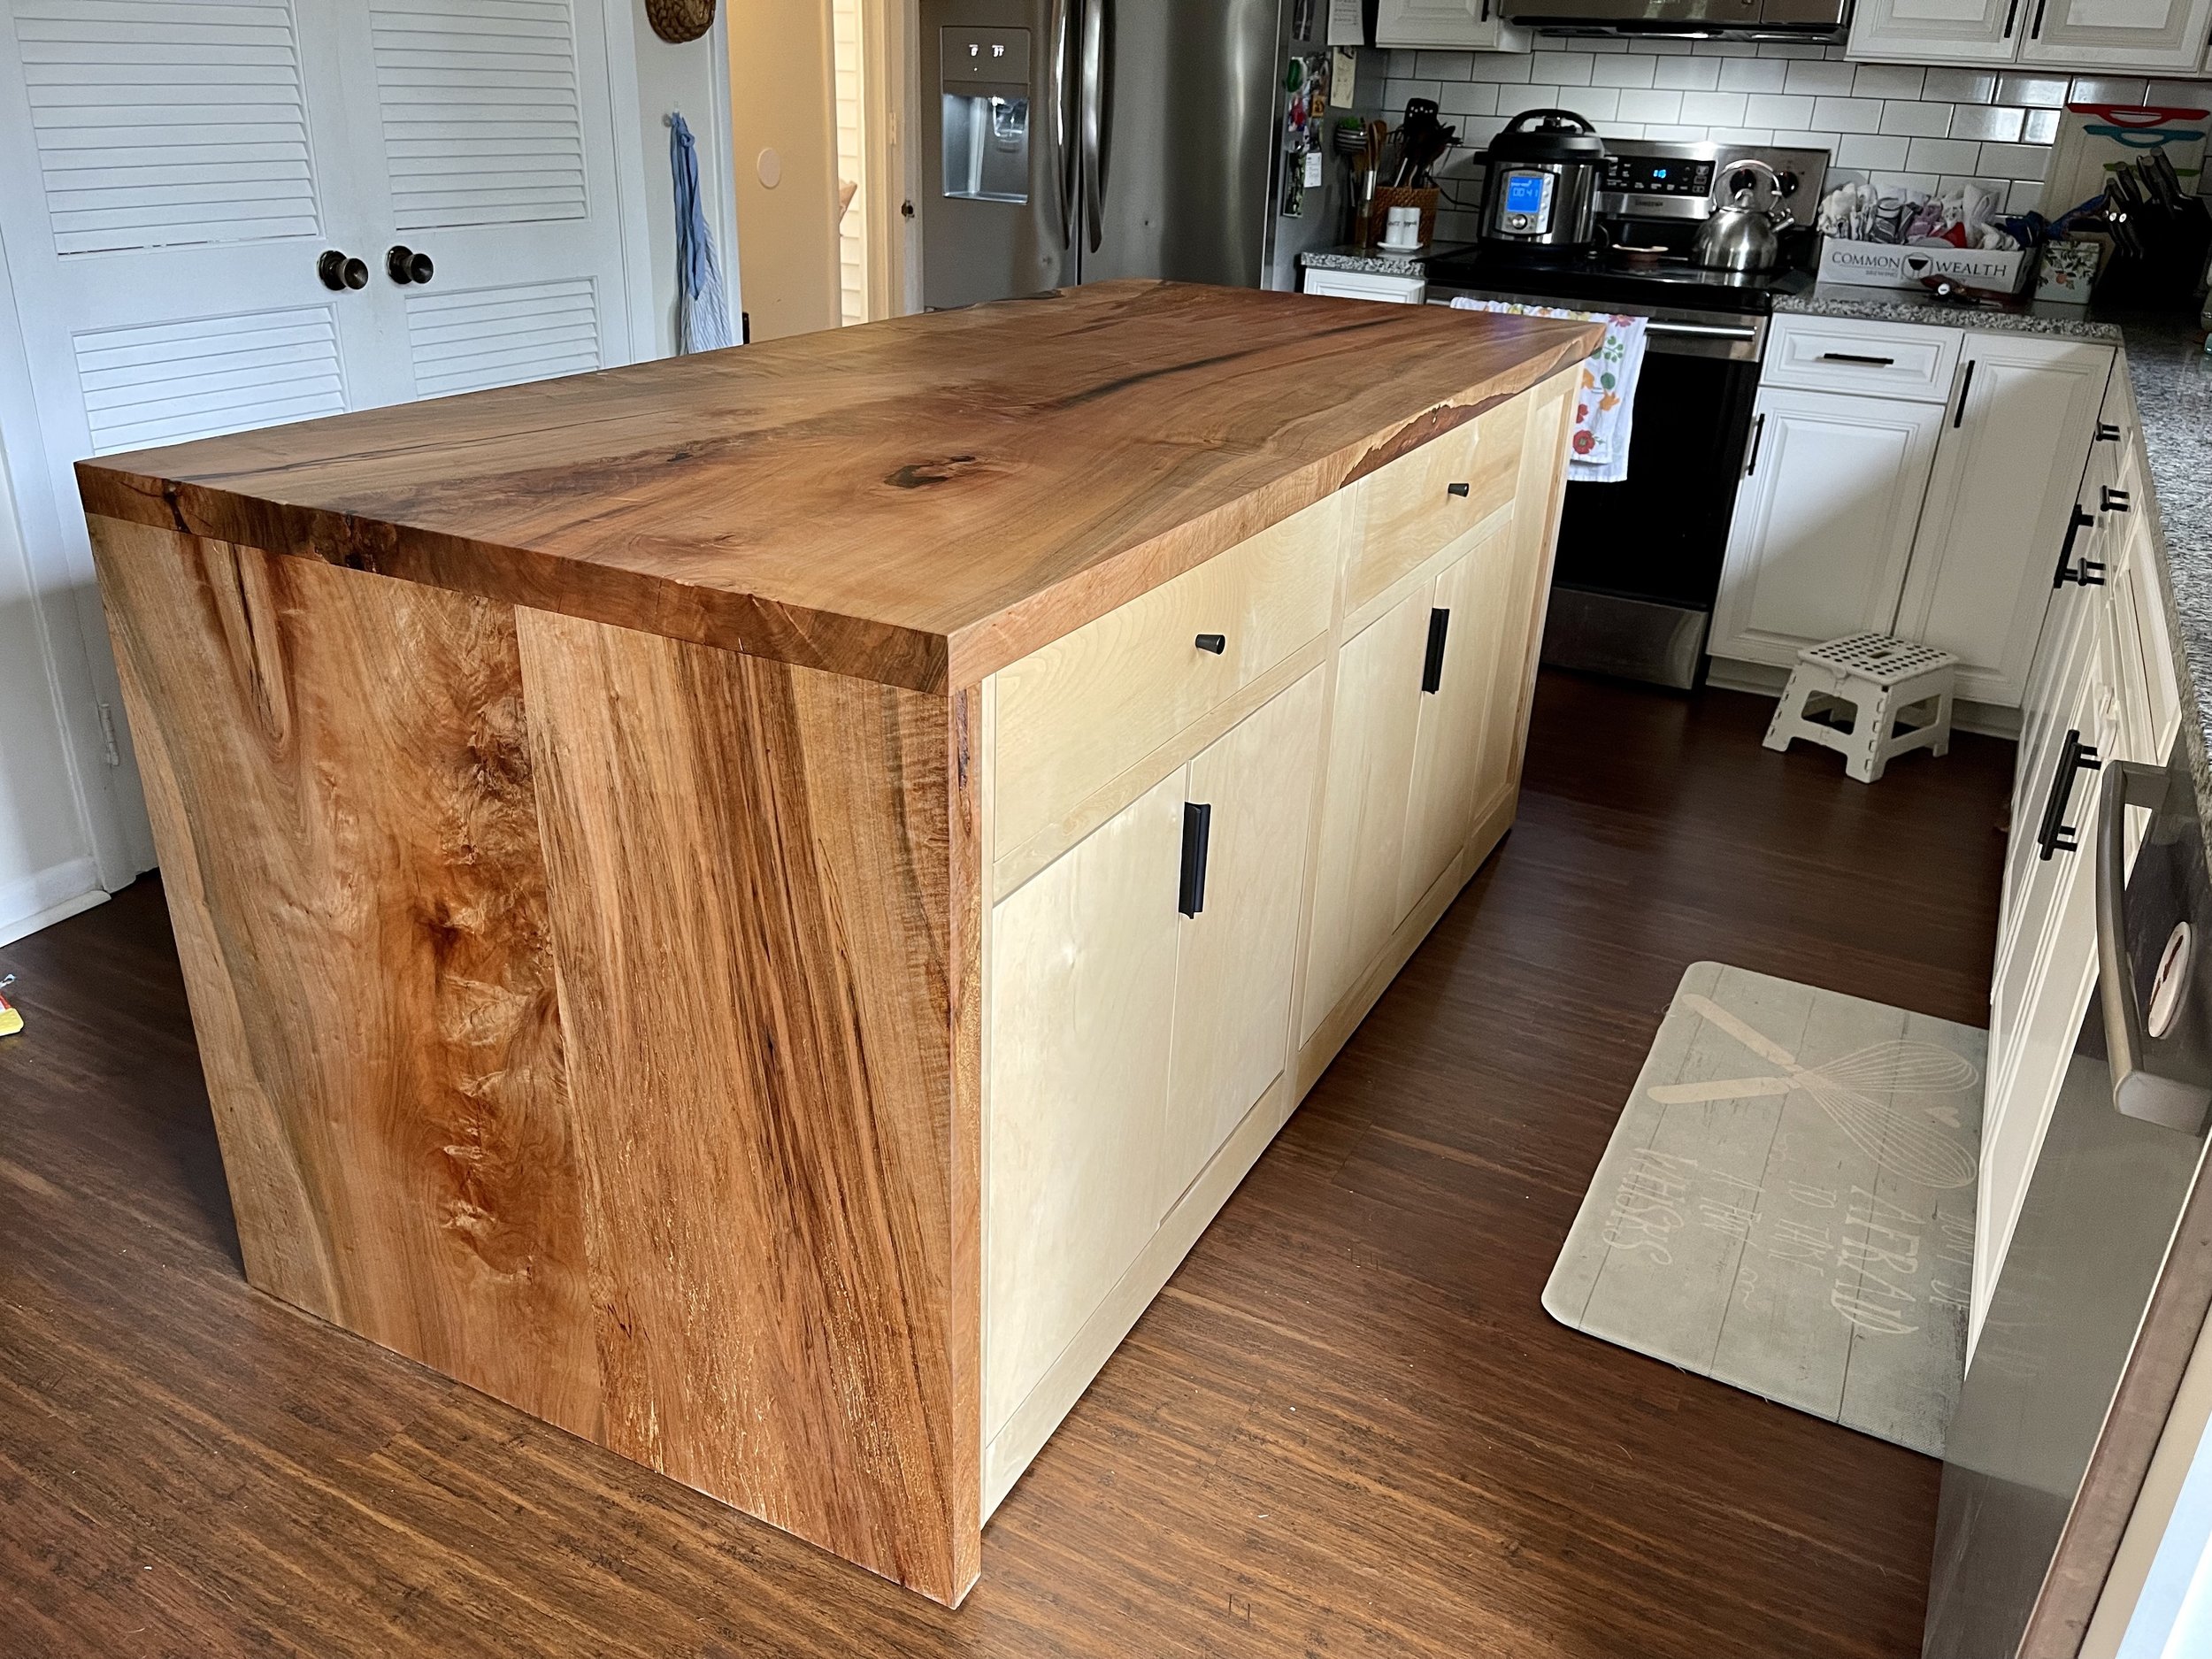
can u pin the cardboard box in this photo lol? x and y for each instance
(1893, 265)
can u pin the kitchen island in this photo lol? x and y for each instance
(753, 907)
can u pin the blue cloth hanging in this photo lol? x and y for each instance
(703, 311)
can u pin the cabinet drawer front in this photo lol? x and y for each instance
(1827, 354)
(1074, 716)
(1424, 501)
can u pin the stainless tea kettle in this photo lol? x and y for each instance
(1741, 235)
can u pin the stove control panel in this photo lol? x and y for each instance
(1657, 175)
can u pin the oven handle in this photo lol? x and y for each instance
(2137, 1090)
(1703, 331)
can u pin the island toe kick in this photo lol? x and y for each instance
(795, 1081)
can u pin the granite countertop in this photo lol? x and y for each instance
(1916, 305)
(1375, 262)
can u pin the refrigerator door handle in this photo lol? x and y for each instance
(1061, 29)
(2138, 1091)
(1091, 119)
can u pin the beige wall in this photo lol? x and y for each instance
(783, 127)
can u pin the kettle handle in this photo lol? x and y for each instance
(1557, 117)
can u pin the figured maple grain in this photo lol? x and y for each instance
(919, 501)
(750, 874)
(342, 798)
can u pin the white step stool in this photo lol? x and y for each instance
(1883, 679)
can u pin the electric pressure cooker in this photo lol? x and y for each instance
(1540, 193)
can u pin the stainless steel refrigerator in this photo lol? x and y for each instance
(1070, 141)
(2098, 1305)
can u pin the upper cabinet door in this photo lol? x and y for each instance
(2007, 468)
(1476, 25)
(1938, 31)
(2117, 34)
(1824, 523)
(1235, 956)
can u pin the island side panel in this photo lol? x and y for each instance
(750, 870)
(342, 797)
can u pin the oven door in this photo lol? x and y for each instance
(1640, 559)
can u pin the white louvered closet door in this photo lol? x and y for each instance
(175, 169)
(491, 123)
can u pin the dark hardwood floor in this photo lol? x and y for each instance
(1345, 1428)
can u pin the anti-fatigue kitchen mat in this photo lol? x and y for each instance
(1787, 1204)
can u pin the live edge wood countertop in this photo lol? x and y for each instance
(916, 502)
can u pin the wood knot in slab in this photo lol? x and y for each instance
(944, 470)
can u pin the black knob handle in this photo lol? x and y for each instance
(339, 272)
(1455, 489)
(405, 265)
(1214, 642)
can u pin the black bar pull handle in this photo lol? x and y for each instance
(1853, 356)
(2114, 500)
(2055, 835)
(1758, 431)
(1214, 642)
(1198, 823)
(2107, 433)
(2089, 572)
(1965, 386)
(1456, 489)
(1432, 665)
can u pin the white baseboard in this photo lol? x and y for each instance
(1764, 679)
(48, 896)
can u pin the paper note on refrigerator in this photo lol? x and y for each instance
(1345, 27)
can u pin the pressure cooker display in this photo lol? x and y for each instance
(1527, 201)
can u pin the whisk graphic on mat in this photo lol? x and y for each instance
(1897, 1140)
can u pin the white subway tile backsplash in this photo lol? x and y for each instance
(1818, 77)
(1904, 128)
(1504, 68)
(1751, 74)
(1631, 71)
(1959, 85)
(1848, 115)
(1998, 123)
(1942, 155)
(1777, 109)
(1713, 109)
(2108, 89)
(1644, 103)
(1865, 153)
(1468, 97)
(2013, 161)
(1687, 75)
(2047, 92)
(1886, 80)
(1915, 120)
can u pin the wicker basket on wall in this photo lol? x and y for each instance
(679, 21)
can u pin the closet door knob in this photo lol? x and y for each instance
(338, 271)
(406, 266)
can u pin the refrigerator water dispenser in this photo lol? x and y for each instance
(986, 89)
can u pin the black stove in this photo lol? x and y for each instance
(1611, 279)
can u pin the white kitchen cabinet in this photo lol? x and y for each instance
(1472, 25)
(2145, 35)
(1999, 502)
(1825, 521)
(2150, 34)
(1936, 31)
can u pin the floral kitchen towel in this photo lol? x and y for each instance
(1608, 397)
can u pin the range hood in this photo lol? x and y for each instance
(1806, 20)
